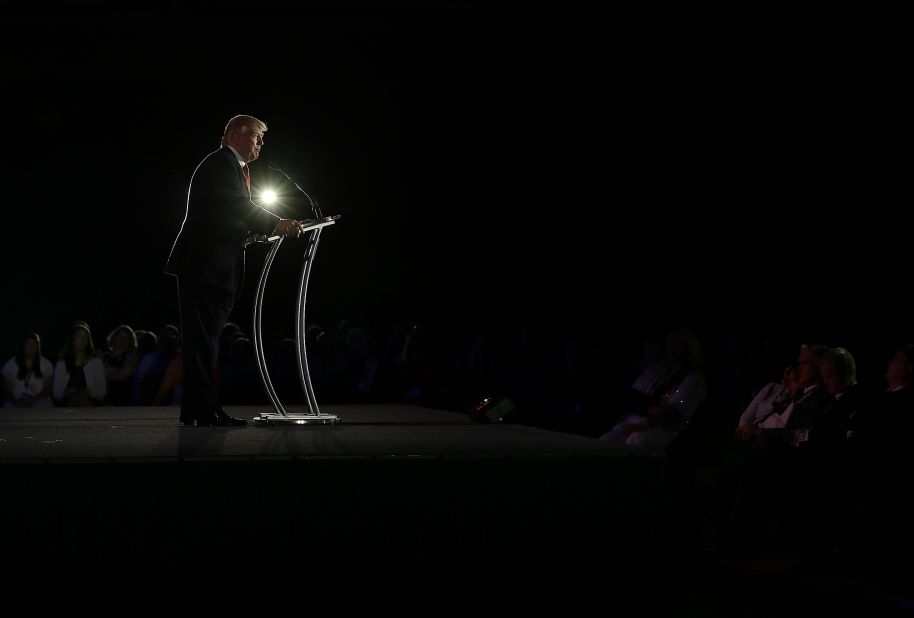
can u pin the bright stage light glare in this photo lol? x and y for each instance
(268, 197)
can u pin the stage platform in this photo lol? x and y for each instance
(115, 511)
(368, 431)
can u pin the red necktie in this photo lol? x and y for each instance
(247, 177)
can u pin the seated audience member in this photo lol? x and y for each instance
(413, 376)
(27, 377)
(826, 433)
(321, 350)
(670, 392)
(230, 333)
(146, 342)
(98, 352)
(763, 476)
(171, 388)
(151, 367)
(770, 402)
(722, 474)
(283, 368)
(893, 411)
(807, 403)
(79, 376)
(818, 471)
(882, 437)
(773, 396)
(239, 376)
(120, 362)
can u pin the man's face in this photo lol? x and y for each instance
(248, 142)
(830, 378)
(807, 370)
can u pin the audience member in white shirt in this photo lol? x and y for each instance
(79, 377)
(27, 376)
(773, 396)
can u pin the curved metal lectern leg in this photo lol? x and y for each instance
(301, 352)
(300, 334)
(304, 375)
(258, 332)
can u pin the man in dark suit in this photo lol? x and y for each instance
(882, 438)
(208, 259)
(819, 466)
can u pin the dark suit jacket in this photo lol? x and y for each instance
(809, 408)
(884, 437)
(891, 419)
(828, 435)
(220, 215)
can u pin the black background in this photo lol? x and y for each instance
(602, 171)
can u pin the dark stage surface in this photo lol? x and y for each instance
(397, 508)
(153, 433)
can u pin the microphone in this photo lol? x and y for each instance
(314, 207)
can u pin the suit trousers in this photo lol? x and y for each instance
(204, 312)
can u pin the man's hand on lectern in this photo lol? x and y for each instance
(288, 227)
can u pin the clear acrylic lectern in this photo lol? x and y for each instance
(279, 415)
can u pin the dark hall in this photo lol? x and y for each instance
(607, 311)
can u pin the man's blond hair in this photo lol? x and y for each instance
(243, 124)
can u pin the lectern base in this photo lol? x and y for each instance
(273, 418)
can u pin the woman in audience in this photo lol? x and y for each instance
(774, 396)
(79, 377)
(27, 376)
(669, 393)
(120, 364)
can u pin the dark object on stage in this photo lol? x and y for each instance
(491, 409)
